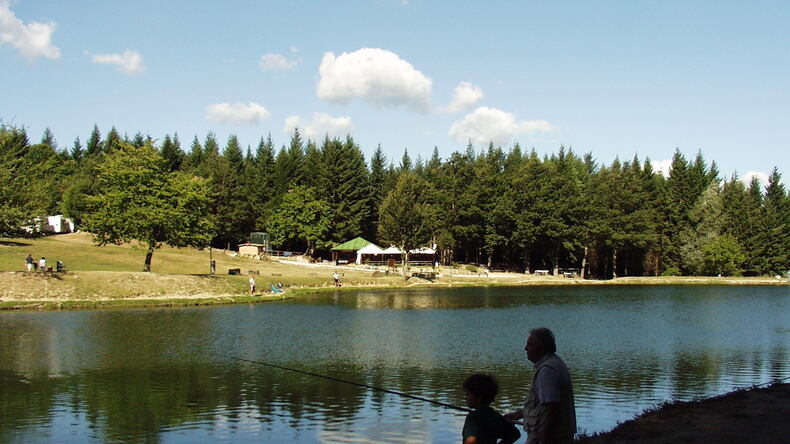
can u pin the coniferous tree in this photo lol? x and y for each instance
(262, 193)
(76, 150)
(405, 162)
(775, 236)
(312, 165)
(289, 165)
(559, 210)
(344, 186)
(172, 153)
(94, 145)
(376, 182)
(194, 159)
(112, 141)
(49, 139)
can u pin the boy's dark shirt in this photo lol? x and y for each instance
(488, 426)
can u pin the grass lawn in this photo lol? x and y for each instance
(111, 275)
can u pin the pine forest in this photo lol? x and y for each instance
(502, 208)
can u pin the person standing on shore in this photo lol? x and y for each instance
(549, 412)
(252, 286)
(42, 264)
(337, 278)
(29, 262)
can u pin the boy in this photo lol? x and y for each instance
(485, 425)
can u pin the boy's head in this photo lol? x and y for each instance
(482, 388)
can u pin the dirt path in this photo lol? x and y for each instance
(756, 416)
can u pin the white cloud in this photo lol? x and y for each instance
(277, 62)
(378, 76)
(321, 124)
(129, 63)
(465, 96)
(662, 166)
(762, 177)
(237, 114)
(31, 40)
(486, 125)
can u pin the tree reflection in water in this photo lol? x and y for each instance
(141, 375)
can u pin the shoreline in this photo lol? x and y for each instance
(99, 290)
(756, 414)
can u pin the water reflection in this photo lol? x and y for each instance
(154, 375)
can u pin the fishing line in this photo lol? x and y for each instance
(358, 384)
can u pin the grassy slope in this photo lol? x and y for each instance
(111, 275)
(113, 272)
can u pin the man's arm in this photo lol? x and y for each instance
(514, 416)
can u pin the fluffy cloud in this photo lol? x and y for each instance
(129, 63)
(464, 97)
(277, 62)
(662, 166)
(762, 177)
(237, 114)
(377, 76)
(31, 40)
(486, 125)
(321, 124)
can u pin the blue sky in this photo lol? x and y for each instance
(615, 78)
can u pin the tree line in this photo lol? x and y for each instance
(511, 209)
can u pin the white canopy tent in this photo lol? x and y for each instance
(370, 249)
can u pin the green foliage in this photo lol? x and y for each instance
(300, 218)
(139, 200)
(514, 209)
(407, 217)
(343, 181)
(721, 256)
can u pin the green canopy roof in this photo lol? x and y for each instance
(352, 245)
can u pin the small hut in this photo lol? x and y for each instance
(347, 251)
(259, 245)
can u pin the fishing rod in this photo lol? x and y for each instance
(358, 384)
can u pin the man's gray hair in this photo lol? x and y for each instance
(546, 338)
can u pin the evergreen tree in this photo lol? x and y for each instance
(195, 157)
(702, 247)
(742, 221)
(289, 165)
(138, 140)
(405, 162)
(377, 190)
(49, 139)
(94, 146)
(112, 141)
(559, 209)
(16, 205)
(312, 165)
(172, 153)
(775, 236)
(263, 190)
(76, 150)
(344, 187)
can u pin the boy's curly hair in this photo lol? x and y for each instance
(483, 385)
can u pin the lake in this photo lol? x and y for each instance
(179, 375)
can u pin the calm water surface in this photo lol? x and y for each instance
(171, 375)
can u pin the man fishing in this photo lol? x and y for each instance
(549, 412)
